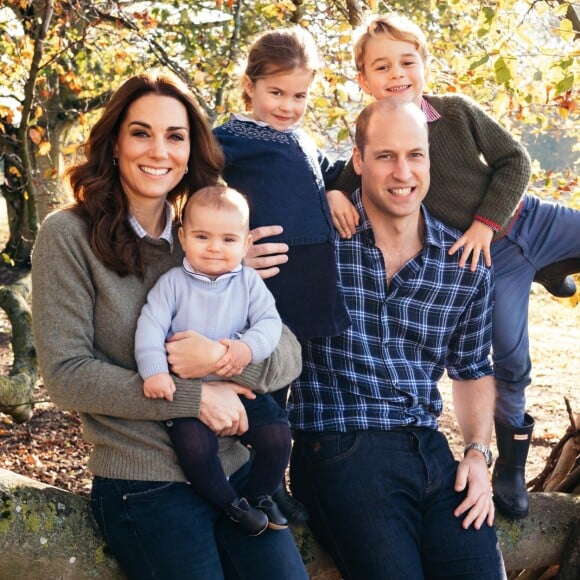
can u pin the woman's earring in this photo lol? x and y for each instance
(186, 170)
(115, 161)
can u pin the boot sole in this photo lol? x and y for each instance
(508, 512)
(260, 532)
(273, 526)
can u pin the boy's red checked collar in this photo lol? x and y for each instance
(429, 111)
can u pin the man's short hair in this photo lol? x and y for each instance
(383, 105)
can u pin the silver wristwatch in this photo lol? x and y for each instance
(485, 451)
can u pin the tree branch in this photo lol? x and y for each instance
(41, 33)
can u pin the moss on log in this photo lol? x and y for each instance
(540, 539)
(49, 533)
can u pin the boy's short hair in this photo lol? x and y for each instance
(392, 25)
(219, 197)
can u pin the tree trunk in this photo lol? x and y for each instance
(47, 532)
(17, 388)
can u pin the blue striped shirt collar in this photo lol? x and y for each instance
(166, 234)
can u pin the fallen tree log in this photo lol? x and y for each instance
(49, 533)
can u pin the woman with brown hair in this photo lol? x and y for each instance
(93, 265)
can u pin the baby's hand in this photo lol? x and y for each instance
(474, 241)
(344, 215)
(159, 386)
(236, 359)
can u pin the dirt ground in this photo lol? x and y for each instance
(50, 447)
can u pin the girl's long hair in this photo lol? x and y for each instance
(280, 51)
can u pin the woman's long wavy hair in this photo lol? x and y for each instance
(99, 197)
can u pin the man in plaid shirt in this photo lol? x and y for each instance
(385, 495)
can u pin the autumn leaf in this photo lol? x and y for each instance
(503, 73)
(566, 30)
(44, 148)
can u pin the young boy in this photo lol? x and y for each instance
(479, 175)
(213, 294)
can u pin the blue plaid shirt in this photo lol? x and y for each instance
(382, 372)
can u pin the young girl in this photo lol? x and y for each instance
(479, 175)
(279, 169)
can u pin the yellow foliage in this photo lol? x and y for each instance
(501, 104)
(567, 30)
(44, 148)
(7, 259)
(563, 112)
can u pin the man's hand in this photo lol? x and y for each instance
(474, 241)
(472, 473)
(265, 258)
(191, 355)
(236, 359)
(221, 409)
(344, 215)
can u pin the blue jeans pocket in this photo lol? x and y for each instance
(329, 448)
(112, 501)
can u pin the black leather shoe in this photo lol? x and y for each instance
(251, 520)
(556, 279)
(276, 519)
(294, 511)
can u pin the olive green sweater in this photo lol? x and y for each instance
(84, 320)
(478, 170)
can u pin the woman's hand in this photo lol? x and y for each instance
(191, 355)
(221, 409)
(265, 258)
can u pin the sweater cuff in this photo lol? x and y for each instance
(187, 397)
(277, 371)
(494, 226)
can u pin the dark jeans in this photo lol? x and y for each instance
(381, 503)
(164, 531)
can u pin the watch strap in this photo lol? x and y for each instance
(485, 451)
